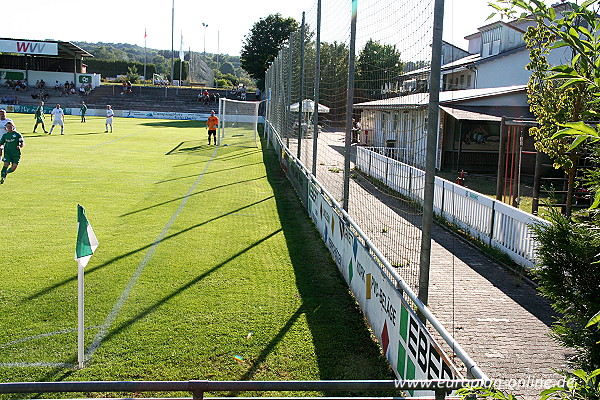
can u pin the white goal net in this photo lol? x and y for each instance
(238, 123)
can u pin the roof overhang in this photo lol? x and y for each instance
(45, 48)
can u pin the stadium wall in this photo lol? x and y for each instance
(49, 77)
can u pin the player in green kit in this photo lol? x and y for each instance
(11, 144)
(83, 110)
(39, 117)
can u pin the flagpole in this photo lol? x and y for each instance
(80, 314)
(85, 247)
(180, 61)
(145, 55)
(172, 44)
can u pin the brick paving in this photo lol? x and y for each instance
(494, 314)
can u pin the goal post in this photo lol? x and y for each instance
(238, 123)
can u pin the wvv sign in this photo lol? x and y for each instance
(26, 47)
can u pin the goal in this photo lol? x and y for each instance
(238, 123)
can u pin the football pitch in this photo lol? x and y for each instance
(208, 265)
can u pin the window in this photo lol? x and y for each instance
(490, 40)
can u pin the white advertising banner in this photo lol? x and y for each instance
(161, 115)
(28, 47)
(409, 347)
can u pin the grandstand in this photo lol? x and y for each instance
(143, 98)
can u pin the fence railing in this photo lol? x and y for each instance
(491, 221)
(198, 388)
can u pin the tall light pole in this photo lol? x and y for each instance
(172, 40)
(205, 26)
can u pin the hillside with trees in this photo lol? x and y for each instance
(112, 59)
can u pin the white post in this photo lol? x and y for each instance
(221, 120)
(256, 123)
(80, 312)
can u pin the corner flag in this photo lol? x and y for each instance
(86, 245)
(86, 239)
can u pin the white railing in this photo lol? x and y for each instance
(493, 222)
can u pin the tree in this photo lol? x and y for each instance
(562, 96)
(262, 44)
(334, 75)
(569, 253)
(376, 66)
(227, 68)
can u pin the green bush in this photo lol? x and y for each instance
(569, 276)
(108, 68)
(223, 83)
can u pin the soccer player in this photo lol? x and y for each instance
(39, 117)
(109, 118)
(12, 143)
(58, 118)
(211, 124)
(83, 110)
(3, 122)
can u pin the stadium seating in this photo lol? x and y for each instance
(143, 98)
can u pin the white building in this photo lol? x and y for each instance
(484, 83)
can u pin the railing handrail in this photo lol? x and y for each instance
(200, 386)
(496, 207)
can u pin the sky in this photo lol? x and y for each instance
(228, 21)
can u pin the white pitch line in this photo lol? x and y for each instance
(41, 336)
(105, 327)
(38, 364)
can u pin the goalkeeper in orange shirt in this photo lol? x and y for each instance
(211, 124)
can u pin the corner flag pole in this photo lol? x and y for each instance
(80, 315)
(85, 247)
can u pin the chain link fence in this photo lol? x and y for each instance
(309, 92)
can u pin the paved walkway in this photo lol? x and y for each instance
(495, 315)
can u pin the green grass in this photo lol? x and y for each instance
(229, 263)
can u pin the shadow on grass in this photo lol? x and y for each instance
(176, 124)
(341, 338)
(133, 252)
(146, 311)
(193, 194)
(207, 173)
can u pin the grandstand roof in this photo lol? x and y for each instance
(20, 46)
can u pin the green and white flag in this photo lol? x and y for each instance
(86, 239)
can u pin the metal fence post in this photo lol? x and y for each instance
(492, 222)
(289, 97)
(317, 87)
(432, 125)
(301, 91)
(349, 106)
